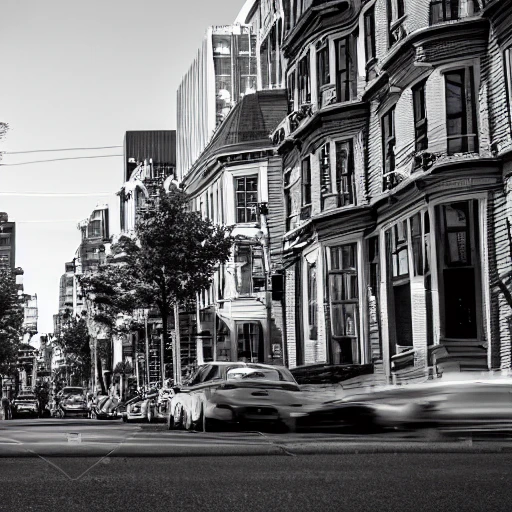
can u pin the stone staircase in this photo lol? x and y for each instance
(459, 356)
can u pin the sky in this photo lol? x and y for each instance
(79, 75)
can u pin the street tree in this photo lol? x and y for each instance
(172, 257)
(73, 339)
(11, 321)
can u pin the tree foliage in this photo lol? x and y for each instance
(11, 320)
(73, 339)
(172, 256)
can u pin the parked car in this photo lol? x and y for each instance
(72, 401)
(142, 408)
(25, 404)
(442, 404)
(228, 394)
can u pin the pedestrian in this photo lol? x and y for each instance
(6, 408)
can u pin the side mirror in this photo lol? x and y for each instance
(176, 390)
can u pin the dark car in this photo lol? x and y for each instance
(25, 404)
(72, 401)
(238, 394)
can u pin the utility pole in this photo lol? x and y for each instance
(177, 346)
(146, 314)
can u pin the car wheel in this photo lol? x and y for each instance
(187, 421)
(200, 424)
(149, 415)
(125, 419)
(177, 417)
(170, 422)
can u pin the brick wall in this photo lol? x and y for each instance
(290, 317)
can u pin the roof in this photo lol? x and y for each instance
(249, 124)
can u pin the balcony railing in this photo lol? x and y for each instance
(447, 10)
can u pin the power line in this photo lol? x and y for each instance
(55, 150)
(58, 159)
(56, 194)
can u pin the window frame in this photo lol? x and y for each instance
(370, 43)
(468, 98)
(420, 116)
(246, 208)
(349, 69)
(388, 141)
(306, 181)
(304, 79)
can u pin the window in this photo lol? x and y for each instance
(246, 199)
(250, 342)
(369, 40)
(508, 66)
(344, 298)
(388, 146)
(396, 13)
(417, 244)
(312, 300)
(247, 64)
(222, 65)
(273, 59)
(291, 91)
(95, 229)
(461, 112)
(399, 250)
(306, 181)
(325, 168)
(346, 62)
(288, 200)
(304, 81)
(445, 10)
(322, 61)
(420, 117)
(5, 240)
(265, 77)
(249, 269)
(344, 173)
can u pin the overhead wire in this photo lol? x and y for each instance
(55, 150)
(57, 160)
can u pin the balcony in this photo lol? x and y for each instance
(290, 123)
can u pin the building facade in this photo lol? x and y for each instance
(395, 158)
(7, 242)
(230, 184)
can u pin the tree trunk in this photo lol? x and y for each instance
(101, 381)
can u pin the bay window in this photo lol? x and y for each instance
(344, 303)
(249, 269)
(420, 117)
(304, 80)
(461, 124)
(396, 15)
(346, 69)
(369, 42)
(388, 146)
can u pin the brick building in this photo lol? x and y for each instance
(396, 178)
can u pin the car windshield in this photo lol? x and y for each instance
(259, 372)
(26, 397)
(73, 391)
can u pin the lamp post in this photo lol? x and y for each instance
(146, 315)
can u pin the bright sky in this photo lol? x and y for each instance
(79, 75)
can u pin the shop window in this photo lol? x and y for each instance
(312, 300)
(373, 297)
(420, 117)
(249, 268)
(461, 126)
(344, 300)
(304, 81)
(250, 342)
(369, 42)
(246, 199)
(346, 69)
(399, 250)
(388, 145)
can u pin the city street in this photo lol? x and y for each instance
(111, 466)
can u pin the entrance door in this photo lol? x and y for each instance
(459, 275)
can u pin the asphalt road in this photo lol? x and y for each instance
(88, 465)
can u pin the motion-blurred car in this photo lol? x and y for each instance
(25, 404)
(104, 408)
(443, 404)
(72, 401)
(228, 394)
(141, 409)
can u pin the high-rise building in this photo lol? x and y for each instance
(7, 242)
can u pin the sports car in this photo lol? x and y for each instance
(237, 394)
